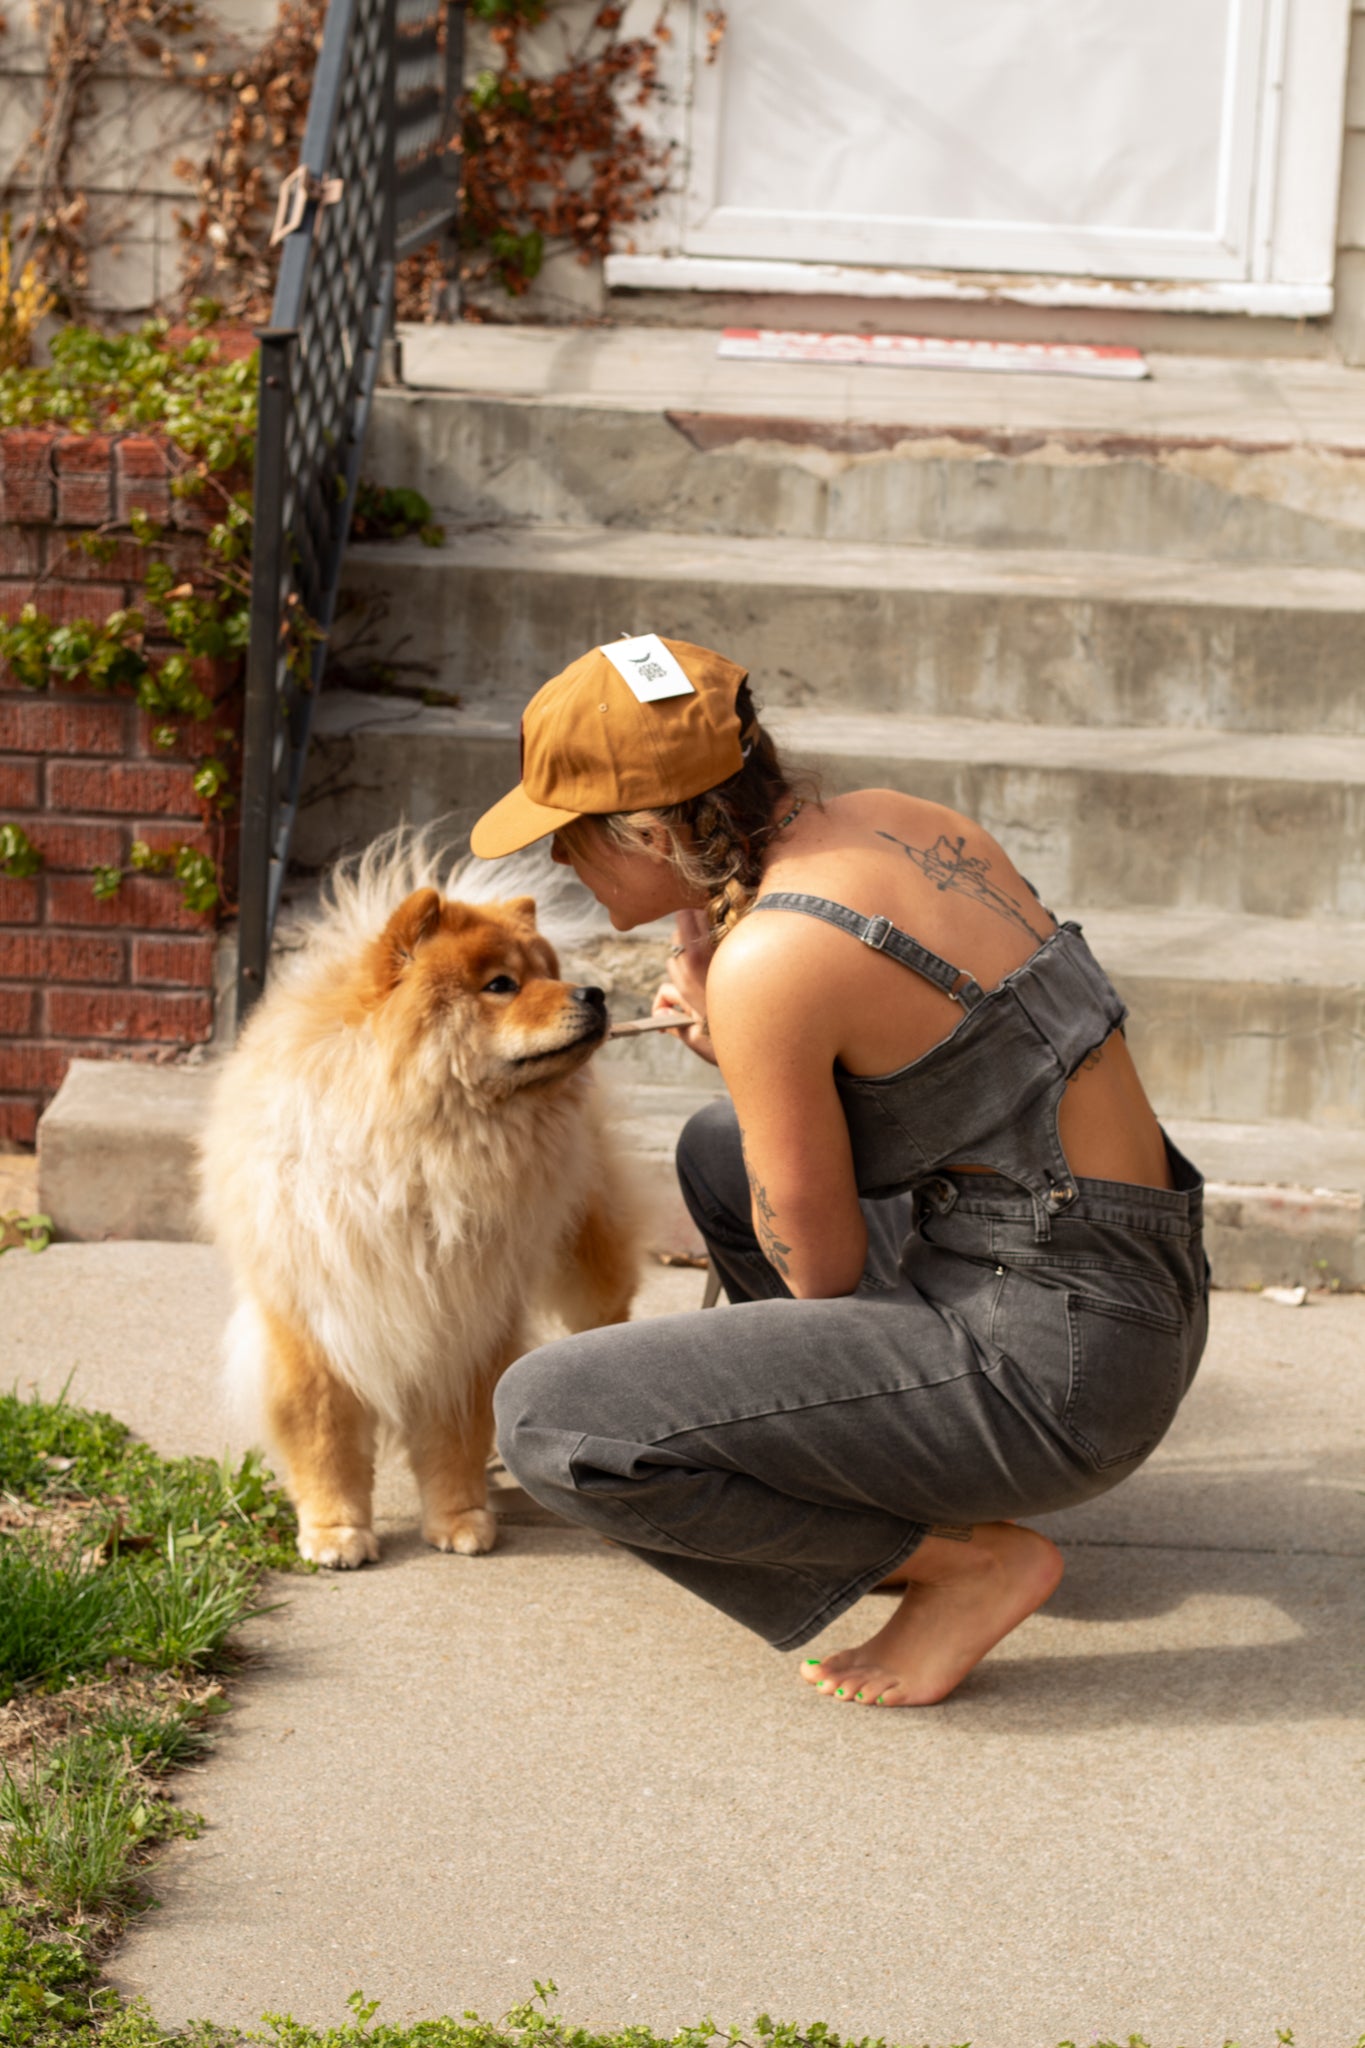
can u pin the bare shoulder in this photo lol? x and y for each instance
(770, 965)
(765, 952)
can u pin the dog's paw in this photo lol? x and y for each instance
(338, 1546)
(470, 1533)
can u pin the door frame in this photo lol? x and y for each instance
(1284, 248)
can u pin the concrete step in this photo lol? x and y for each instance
(566, 463)
(1205, 459)
(1027, 635)
(1268, 824)
(1249, 1018)
(115, 1153)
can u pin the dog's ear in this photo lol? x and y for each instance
(415, 919)
(544, 955)
(520, 913)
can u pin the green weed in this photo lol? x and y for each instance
(152, 1740)
(33, 1232)
(69, 1832)
(56, 1619)
(49, 1992)
(73, 1828)
(66, 1614)
(179, 1612)
(52, 1452)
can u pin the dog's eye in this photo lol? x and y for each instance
(500, 985)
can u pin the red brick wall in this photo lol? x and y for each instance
(80, 775)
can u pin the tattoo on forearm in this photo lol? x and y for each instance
(773, 1248)
(949, 867)
(951, 1532)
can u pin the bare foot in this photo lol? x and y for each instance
(960, 1599)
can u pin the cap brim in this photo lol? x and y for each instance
(515, 822)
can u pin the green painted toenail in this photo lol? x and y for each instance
(839, 1694)
(813, 1660)
(859, 1695)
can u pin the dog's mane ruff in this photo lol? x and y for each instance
(362, 893)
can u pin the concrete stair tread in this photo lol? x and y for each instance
(136, 1107)
(1286, 1155)
(116, 1160)
(1207, 753)
(1227, 946)
(1149, 750)
(1224, 946)
(1272, 1154)
(1204, 398)
(612, 551)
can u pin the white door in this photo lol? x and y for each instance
(1179, 140)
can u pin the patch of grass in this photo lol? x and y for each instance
(73, 1828)
(64, 1614)
(121, 1576)
(153, 1739)
(51, 1452)
(42, 1441)
(55, 1619)
(534, 2025)
(70, 1832)
(179, 1615)
(49, 1988)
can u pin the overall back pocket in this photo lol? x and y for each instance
(1127, 1376)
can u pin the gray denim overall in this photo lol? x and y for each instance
(1019, 1341)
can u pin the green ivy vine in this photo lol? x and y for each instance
(19, 857)
(205, 412)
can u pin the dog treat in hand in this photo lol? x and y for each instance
(676, 1022)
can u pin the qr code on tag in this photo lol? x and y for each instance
(650, 668)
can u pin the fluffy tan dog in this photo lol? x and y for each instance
(405, 1155)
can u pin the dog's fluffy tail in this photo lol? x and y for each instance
(244, 1402)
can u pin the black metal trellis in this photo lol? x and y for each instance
(375, 181)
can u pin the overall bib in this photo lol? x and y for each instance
(1019, 1341)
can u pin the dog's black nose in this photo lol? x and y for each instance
(594, 998)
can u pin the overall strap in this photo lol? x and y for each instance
(883, 937)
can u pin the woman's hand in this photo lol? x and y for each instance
(689, 964)
(692, 1026)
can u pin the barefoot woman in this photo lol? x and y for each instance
(964, 1262)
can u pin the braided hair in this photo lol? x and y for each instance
(716, 840)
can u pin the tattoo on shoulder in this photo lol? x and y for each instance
(774, 1250)
(949, 866)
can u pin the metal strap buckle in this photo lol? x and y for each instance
(295, 192)
(876, 933)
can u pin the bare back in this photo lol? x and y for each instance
(946, 882)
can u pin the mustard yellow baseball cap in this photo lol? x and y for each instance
(638, 722)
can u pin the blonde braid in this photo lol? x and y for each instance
(717, 839)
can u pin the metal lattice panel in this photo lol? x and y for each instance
(378, 125)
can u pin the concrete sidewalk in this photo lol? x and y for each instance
(446, 1777)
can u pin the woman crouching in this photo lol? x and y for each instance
(964, 1264)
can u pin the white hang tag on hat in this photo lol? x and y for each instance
(648, 667)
